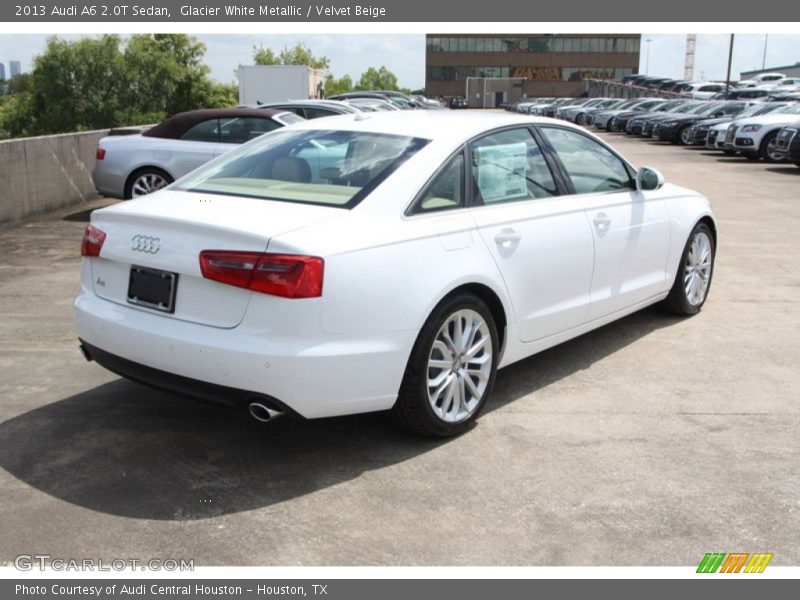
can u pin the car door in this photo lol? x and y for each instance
(196, 147)
(631, 228)
(539, 238)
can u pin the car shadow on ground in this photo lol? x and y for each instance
(124, 449)
(785, 170)
(81, 216)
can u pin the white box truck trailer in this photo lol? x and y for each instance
(276, 83)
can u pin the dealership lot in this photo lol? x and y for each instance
(649, 442)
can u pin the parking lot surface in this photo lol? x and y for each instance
(648, 442)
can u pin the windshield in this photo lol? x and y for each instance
(331, 168)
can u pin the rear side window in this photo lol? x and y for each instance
(591, 167)
(508, 166)
(446, 190)
(205, 131)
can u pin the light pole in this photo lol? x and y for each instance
(647, 60)
(728, 77)
(764, 62)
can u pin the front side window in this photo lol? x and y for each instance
(332, 168)
(509, 166)
(590, 166)
(244, 129)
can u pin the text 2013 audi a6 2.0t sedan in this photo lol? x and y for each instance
(391, 261)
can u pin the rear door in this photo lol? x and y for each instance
(630, 228)
(539, 239)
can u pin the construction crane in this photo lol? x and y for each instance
(688, 63)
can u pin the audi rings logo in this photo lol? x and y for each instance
(145, 243)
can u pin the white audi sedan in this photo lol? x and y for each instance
(387, 261)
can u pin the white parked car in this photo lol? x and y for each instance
(755, 137)
(392, 261)
(760, 79)
(702, 90)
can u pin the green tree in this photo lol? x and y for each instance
(264, 56)
(101, 82)
(300, 54)
(166, 73)
(377, 79)
(335, 86)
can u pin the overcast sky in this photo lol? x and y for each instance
(405, 54)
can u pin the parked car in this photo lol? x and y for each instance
(313, 109)
(458, 102)
(602, 119)
(561, 111)
(756, 137)
(134, 165)
(678, 129)
(787, 144)
(370, 104)
(399, 99)
(697, 106)
(580, 116)
(700, 130)
(702, 90)
(715, 139)
(647, 105)
(760, 79)
(633, 123)
(344, 267)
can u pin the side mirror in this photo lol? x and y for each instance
(649, 179)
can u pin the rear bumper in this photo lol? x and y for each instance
(107, 183)
(184, 386)
(314, 375)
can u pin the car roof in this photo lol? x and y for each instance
(448, 127)
(176, 125)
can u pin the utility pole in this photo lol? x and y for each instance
(728, 78)
(647, 60)
(764, 62)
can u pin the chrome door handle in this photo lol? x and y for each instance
(506, 236)
(602, 221)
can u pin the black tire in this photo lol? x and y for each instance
(677, 301)
(679, 140)
(142, 172)
(753, 157)
(797, 164)
(763, 149)
(412, 410)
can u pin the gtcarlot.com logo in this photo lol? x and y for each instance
(28, 562)
(735, 562)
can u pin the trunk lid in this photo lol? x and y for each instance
(168, 230)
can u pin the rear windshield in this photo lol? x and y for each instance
(330, 168)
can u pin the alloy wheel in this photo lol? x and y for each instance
(147, 183)
(697, 269)
(459, 366)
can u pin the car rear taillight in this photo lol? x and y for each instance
(286, 275)
(100, 154)
(93, 239)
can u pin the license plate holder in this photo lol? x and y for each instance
(152, 288)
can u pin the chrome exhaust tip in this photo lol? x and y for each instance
(263, 413)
